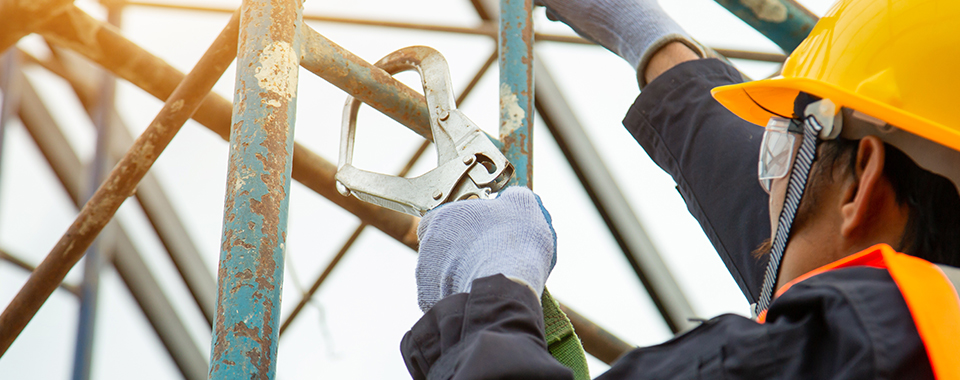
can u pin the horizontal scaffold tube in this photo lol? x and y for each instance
(132, 63)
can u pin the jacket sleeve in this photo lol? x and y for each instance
(712, 156)
(845, 324)
(493, 332)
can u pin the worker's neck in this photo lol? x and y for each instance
(824, 239)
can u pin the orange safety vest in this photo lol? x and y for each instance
(931, 294)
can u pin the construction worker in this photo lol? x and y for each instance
(859, 160)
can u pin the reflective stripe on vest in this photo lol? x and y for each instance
(930, 292)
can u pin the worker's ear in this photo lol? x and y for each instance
(864, 192)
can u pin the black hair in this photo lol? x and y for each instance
(932, 231)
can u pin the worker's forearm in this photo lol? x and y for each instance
(666, 58)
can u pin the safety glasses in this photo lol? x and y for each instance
(777, 150)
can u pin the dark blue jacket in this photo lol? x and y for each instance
(845, 324)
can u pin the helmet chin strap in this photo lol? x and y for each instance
(798, 182)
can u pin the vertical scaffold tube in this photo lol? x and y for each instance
(516, 87)
(250, 275)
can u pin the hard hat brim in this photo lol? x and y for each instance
(757, 101)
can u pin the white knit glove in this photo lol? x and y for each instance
(633, 29)
(467, 240)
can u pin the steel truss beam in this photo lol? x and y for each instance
(137, 66)
(153, 200)
(119, 185)
(486, 28)
(22, 264)
(611, 203)
(124, 256)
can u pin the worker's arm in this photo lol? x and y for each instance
(712, 156)
(851, 324)
(666, 58)
(493, 332)
(710, 152)
(639, 31)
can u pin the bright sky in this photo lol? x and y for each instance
(353, 327)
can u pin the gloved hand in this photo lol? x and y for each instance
(633, 29)
(471, 239)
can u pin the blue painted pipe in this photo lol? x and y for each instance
(516, 87)
(784, 22)
(250, 275)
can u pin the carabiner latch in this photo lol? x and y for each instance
(468, 164)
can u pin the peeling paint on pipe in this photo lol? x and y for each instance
(516, 87)
(785, 22)
(118, 186)
(134, 64)
(250, 275)
(366, 82)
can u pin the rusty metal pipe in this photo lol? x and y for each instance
(22, 264)
(119, 185)
(125, 258)
(156, 206)
(250, 275)
(751, 55)
(343, 250)
(95, 255)
(365, 81)
(19, 18)
(9, 89)
(323, 276)
(516, 88)
(359, 230)
(485, 28)
(158, 78)
(597, 341)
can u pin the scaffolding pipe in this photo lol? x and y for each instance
(485, 28)
(124, 256)
(596, 340)
(365, 82)
(250, 277)
(785, 22)
(134, 64)
(22, 264)
(611, 204)
(359, 230)
(308, 295)
(94, 258)
(9, 92)
(155, 203)
(157, 309)
(516, 88)
(19, 18)
(119, 185)
(310, 169)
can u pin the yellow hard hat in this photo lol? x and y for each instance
(895, 60)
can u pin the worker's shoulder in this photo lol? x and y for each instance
(865, 292)
(851, 321)
(858, 311)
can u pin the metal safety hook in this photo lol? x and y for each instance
(468, 164)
